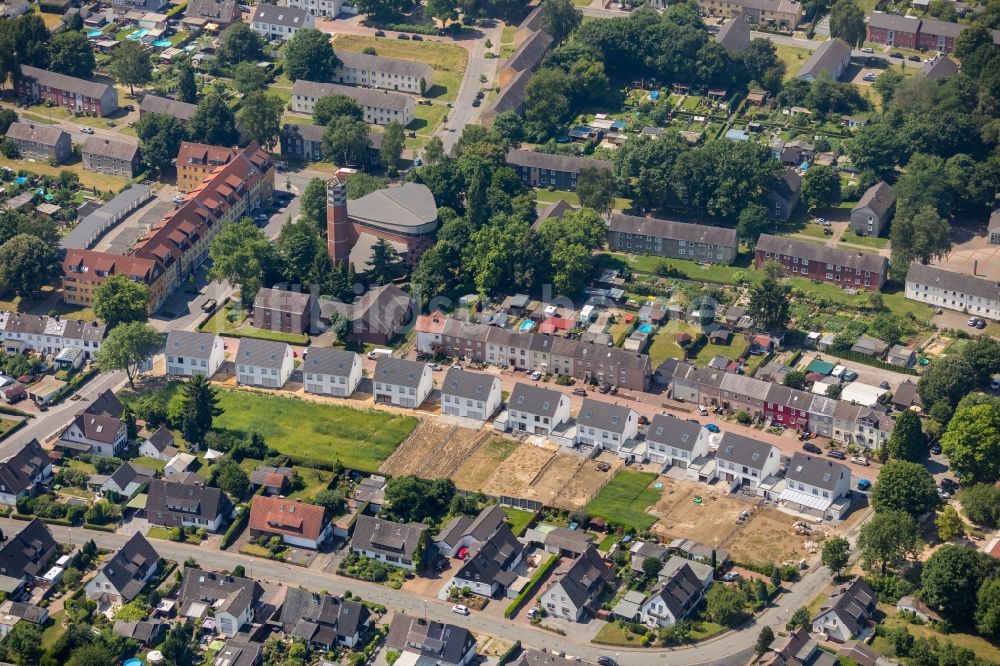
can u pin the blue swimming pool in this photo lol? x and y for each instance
(646, 328)
(132, 662)
(162, 43)
(138, 34)
(21, 180)
(526, 325)
(95, 33)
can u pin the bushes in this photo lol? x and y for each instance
(365, 568)
(236, 527)
(788, 572)
(529, 589)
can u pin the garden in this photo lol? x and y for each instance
(623, 502)
(365, 568)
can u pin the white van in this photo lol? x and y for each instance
(378, 352)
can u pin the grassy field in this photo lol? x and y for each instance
(624, 500)
(731, 351)
(313, 481)
(614, 634)
(88, 179)
(150, 463)
(518, 519)
(718, 273)
(543, 196)
(866, 241)
(360, 439)
(220, 323)
(980, 646)
(53, 630)
(793, 57)
(664, 346)
(6, 425)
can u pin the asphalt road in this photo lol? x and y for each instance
(731, 648)
(463, 113)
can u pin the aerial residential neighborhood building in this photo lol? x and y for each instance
(295, 523)
(422, 641)
(573, 596)
(114, 158)
(865, 426)
(222, 13)
(893, 30)
(280, 23)
(734, 35)
(263, 363)
(124, 575)
(197, 161)
(774, 14)
(671, 441)
(282, 310)
(328, 371)
(543, 169)
(939, 68)
(470, 395)
(605, 425)
(22, 471)
(871, 215)
(846, 268)
(26, 556)
(233, 601)
(816, 486)
(168, 107)
(673, 598)
(322, 620)
(399, 544)
(784, 196)
(273, 480)
(845, 615)
(375, 71)
(799, 649)
(675, 240)
(159, 445)
(326, 8)
(78, 95)
(190, 353)
(954, 291)
(99, 434)
(37, 141)
(400, 382)
(380, 107)
(175, 504)
(536, 410)
(832, 57)
(746, 462)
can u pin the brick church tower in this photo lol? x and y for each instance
(339, 230)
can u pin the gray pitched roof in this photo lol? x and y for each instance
(744, 451)
(472, 385)
(879, 198)
(19, 469)
(122, 150)
(131, 473)
(814, 471)
(237, 594)
(238, 653)
(960, 282)
(167, 107)
(534, 399)
(438, 643)
(409, 205)
(377, 63)
(826, 57)
(47, 135)
(289, 17)
(853, 604)
(28, 552)
(129, 566)
(933, 26)
(893, 22)
(363, 96)
(489, 561)
(529, 55)
(263, 475)
(588, 574)
(532, 657)
(190, 344)
(821, 253)
(399, 371)
(162, 439)
(672, 431)
(733, 33)
(329, 361)
(511, 96)
(106, 403)
(320, 618)
(941, 67)
(173, 499)
(261, 353)
(91, 225)
(145, 632)
(64, 82)
(282, 300)
(567, 163)
(603, 415)
(385, 536)
(679, 592)
(671, 229)
(222, 11)
(479, 528)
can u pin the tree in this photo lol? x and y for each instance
(949, 524)
(433, 151)
(971, 441)
(907, 441)
(178, 647)
(651, 566)
(874, 148)
(331, 500)
(887, 540)
(249, 78)
(904, 486)
(546, 101)
(409, 498)
(345, 142)
(126, 346)
(596, 189)
(988, 609)
(384, 264)
(946, 381)
(821, 186)
(260, 118)
(800, 618)
(213, 122)
(393, 141)
(7, 118)
(298, 246)
(887, 84)
(160, 136)
(200, 405)
(847, 21)
(508, 127)
(24, 643)
(93, 654)
(312, 205)
(130, 65)
(951, 578)
(242, 255)
(795, 379)
(26, 39)
(26, 264)
(442, 10)
(187, 88)
(921, 237)
(764, 639)
(230, 478)
(836, 555)
(120, 300)
(769, 304)
(763, 65)
(981, 504)
(725, 604)
(241, 44)
(334, 106)
(309, 55)
(70, 54)
(560, 18)
(752, 223)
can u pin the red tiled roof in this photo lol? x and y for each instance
(135, 267)
(284, 516)
(432, 323)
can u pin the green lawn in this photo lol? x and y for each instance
(6, 425)
(88, 179)
(360, 439)
(507, 35)
(312, 480)
(73, 463)
(624, 500)
(544, 196)
(663, 345)
(793, 57)
(606, 543)
(151, 463)
(53, 630)
(980, 646)
(163, 534)
(613, 634)
(718, 273)
(518, 519)
(865, 241)
(221, 324)
(731, 351)
(619, 331)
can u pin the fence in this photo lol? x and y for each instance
(519, 503)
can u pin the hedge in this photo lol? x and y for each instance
(10, 411)
(233, 531)
(508, 655)
(100, 528)
(175, 11)
(413, 28)
(10, 432)
(47, 521)
(75, 382)
(529, 589)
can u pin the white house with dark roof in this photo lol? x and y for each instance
(263, 363)
(605, 425)
(399, 544)
(673, 598)
(328, 371)
(159, 445)
(745, 462)
(846, 614)
(174, 504)
(816, 486)
(325, 8)
(121, 578)
(671, 441)
(98, 434)
(400, 382)
(280, 23)
(321, 620)
(191, 353)
(21, 469)
(574, 595)
(536, 410)
(421, 641)
(470, 395)
(127, 480)
(232, 600)
(955, 291)
(832, 56)
(871, 215)
(375, 71)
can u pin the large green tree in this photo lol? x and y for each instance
(309, 56)
(385, 263)
(981, 504)
(596, 189)
(24, 643)
(821, 186)
(972, 441)
(391, 151)
(836, 554)
(922, 236)
(120, 300)
(130, 65)
(560, 18)
(988, 609)
(312, 205)
(187, 88)
(847, 22)
(346, 142)
(243, 256)
(160, 136)
(950, 580)
(126, 347)
(249, 78)
(241, 44)
(887, 540)
(334, 106)
(27, 263)
(769, 304)
(70, 54)
(213, 122)
(904, 486)
(26, 39)
(199, 406)
(907, 441)
(260, 118)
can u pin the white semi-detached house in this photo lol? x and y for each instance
(671, 441)
(325, 8)
(402, 383)
(380, 107)
(97, 434)
(816, 486)
(470, 395)
(605, 425)
(273, 22)
(955, 291)
(327, 371)
(190, 353)
(746, 462)
(263, 363)
(375, 71)
(536, 410)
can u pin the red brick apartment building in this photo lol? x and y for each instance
(844, 268)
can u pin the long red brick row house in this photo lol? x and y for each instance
(844, 268)
(910, 32)
(171, 251)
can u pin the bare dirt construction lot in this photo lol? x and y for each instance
(515, 475)
(586, 482)
(432, 451)
(768, 537)
(474, 472)
(553, 479)
(712, 522)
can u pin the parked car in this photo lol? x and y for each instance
(864, 484)
(981, 324)
(209, 305)
(536, 375)
(838, 455)
(972, 321)
(460, 609)
(379, 33)
(480, 95)
(935, 449)
(711, 427)
(703, 410)
(580, 391)
(532, 612)
(895, 54)
(850, 376)
(914, 58)
(87, 130)
(606, 661)
(417, 38)
(950, 484)
(812, 448)
(870, 76)
(860, 460)
(604, 388)
(731, 576)
(643, 420)
(868, 49)
(402, 36)
(434, 366)
(476, 103)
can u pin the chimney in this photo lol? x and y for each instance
(339, 232)
(975, 267)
